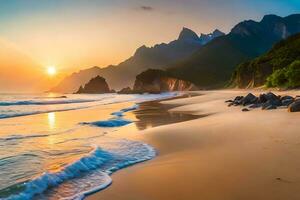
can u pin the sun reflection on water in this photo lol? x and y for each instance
(51, 120)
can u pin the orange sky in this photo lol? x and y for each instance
(77, 34)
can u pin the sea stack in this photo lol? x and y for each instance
(97, 85)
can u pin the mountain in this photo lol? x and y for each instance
(206, 38)
(96, 85)
(157, 81)
(213, 64)
(273, 68)
(159, 57)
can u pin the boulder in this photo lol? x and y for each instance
(287, 102)
(238, 100)
(294, 107)
(249, 99)
(269, 105)
(262, 98)
(286, 98)
(273, 99)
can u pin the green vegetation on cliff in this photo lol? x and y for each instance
(288, 77)
(277, 68)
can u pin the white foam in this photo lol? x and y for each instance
(88, 174)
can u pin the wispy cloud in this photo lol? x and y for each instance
(146, 8)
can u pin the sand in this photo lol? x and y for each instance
(227, 155)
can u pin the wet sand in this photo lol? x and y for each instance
(226, 154)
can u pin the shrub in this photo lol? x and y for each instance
(293, 74)
(287, 77)
(277, 78)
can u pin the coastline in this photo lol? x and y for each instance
(228, 154)
(83, 137)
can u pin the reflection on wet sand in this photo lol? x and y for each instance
(152, 114)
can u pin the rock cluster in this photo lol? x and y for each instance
(266, 101)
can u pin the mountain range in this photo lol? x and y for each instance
(213, 65)
(159, 56)
(207, 61)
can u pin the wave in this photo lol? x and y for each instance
(19, 108)
(93, 168)
(113, 122)
(47, 102)
(117, 121)
(26, 136)
(24, 113)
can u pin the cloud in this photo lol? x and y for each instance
(146, 8)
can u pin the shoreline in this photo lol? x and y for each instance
(259, 147)
(61, 128)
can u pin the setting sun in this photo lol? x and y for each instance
(51, 70)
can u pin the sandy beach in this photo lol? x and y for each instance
(224, 155)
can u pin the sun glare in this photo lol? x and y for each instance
(51, 70)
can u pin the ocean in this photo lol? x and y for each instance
(47, 152)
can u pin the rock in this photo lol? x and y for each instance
(237, 100)
(126, 90)
(229, 101)
(287, 102)
(256, 105)
(294, 107)
(262, 98)
(96, 85)
(249, 99)
(80, 90)
(271, 107)
(268, 105)
(231, 104)
(245, 110)
(273, 99)
(157, 81)
(286, 97)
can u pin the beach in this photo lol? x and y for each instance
(224, 154)
(55, 147)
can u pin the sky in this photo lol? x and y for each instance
(77, 34)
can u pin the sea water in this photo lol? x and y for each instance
(69, 162)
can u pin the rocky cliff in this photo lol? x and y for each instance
(157, 81)
(277, 61)
(96, 85)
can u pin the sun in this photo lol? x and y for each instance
(51, 70)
